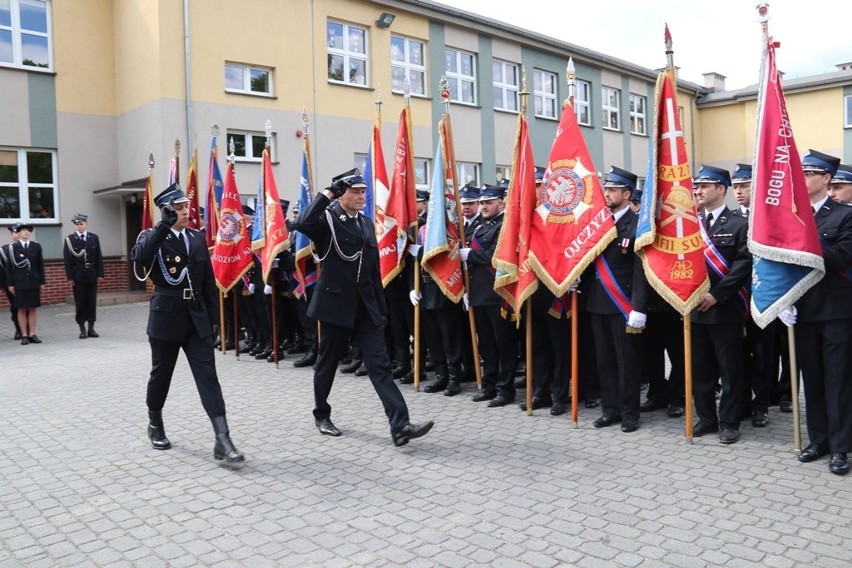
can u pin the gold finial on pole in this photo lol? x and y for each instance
(268, 130)
(304, 119)
(151, 162)
(444, 87)
(571, 79)
(232, 157)
(215, 131)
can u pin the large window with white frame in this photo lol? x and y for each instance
(347, 54)
(544, 92)
(422, 171)
(25, 35)
(583, 102)
(847, 114)
(503, 172)
(505, 85)
(460, 69)
(468, 173)
(637, 114)
(611, 108)
(248, 145)
(247, 79)
(28, 184)
(408, 65)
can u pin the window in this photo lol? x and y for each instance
(25, 33)
(247, 79)
(637, 114)
(503, 172)
(544, 91)
(248, 146)
(422, 168)
(847, 115)
(408, 65)
(468, 173)
(347, 54)
(27, 184)
(583, 103)
(505, 86)
(611, 118)
(461, 75)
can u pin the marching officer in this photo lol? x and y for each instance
(84, 266)
(182, 316)
(349, 301)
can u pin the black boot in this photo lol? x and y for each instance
(441, 379)
(92, 332)
(156, 431)
(83, 334)
(309, 359)
(224, 448)
(453, 387)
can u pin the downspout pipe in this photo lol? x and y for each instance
(187, 66)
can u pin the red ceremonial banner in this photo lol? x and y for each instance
(148, 207)
(277, 236)
(232, 255)
(191, 190)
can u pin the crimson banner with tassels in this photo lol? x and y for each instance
(232, 255)
(276, 236)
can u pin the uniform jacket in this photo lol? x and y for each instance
(171, 318)
(729, 235)
(482, 273)
(471, 226)
(342, 283)
(622, 261)
(5, 251)
(831, 297)
(81, 266)
(29, 276)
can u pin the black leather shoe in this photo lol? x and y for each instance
(18, 335)
(701, 428)
(408, 378)
(484, 394)
(839, 464)
(759, 418)
(453, 388)
(401, 371)
(812, 452)
(593, 402)
(729, 436)
(675, 411)
(224, 448)
(786, 406)
(299, 348)
(34, 339)
(558, 408)
(93, 333)
(629, 426)
(537, 402)
(25, 341)
(650, 405)
(499, 401)
(309, 359)
(411, 431)
(263, 354)
(605, 421)
(271, 357)
(437, 386)
(351, 367)
(361, 371)
(83, 334)
(157, 432)
(326, 428)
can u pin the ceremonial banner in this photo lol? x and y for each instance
(668, 236)
(572, 223)
(215, 186)
(276, 236)
(515, 281)
(232, 255)
(396, 212)
(375, 174)
(441, 247)
(782, 235)
(304, 247)
(148, 220)
(191, 190)
(258, 223)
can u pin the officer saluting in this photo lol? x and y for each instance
(349, 301)
(182, 316)
(84, 266)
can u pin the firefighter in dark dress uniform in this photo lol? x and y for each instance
(84, 266)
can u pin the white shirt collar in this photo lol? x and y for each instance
(716, 213)
(818, 205)
(744, 209)
(619, 214)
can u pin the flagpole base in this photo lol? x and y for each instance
(689, 441)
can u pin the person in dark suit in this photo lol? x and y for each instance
(824, 325)
(25, 279)
(349, 301)
(84, 266)
(5, 261)
(497, 335)
(840, 188)
(182, 316)
(607, 289)
(719, 318)
(472, 218)
(551, 351)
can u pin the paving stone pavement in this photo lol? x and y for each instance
(80, 484)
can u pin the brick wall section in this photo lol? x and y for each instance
(57, 288)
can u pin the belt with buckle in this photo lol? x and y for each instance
(182, 293)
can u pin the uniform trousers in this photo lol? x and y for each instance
(618, 366)
(717, 350)
(85, 301)
(202, 363)
(498, 346)
(761, 366)
(551, 347)
(823, 350)
(370, 338)
(443, 336)
(664, 334)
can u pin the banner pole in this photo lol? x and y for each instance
(417, 325)
(529, 361)
(222, 322)
(687, 374)
(236, 326)
(794, 390)
(274, 326)
(575, 363)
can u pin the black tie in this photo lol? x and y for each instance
(183, 241)
(815, 210)
(746, 212)
(708, 222)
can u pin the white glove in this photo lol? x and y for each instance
(464, 253)
(414, 296)
(413, 250)
(267, 290)
(788, 317)
(574, 285)
(636, 319)
(251, 288)
(466, 301)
